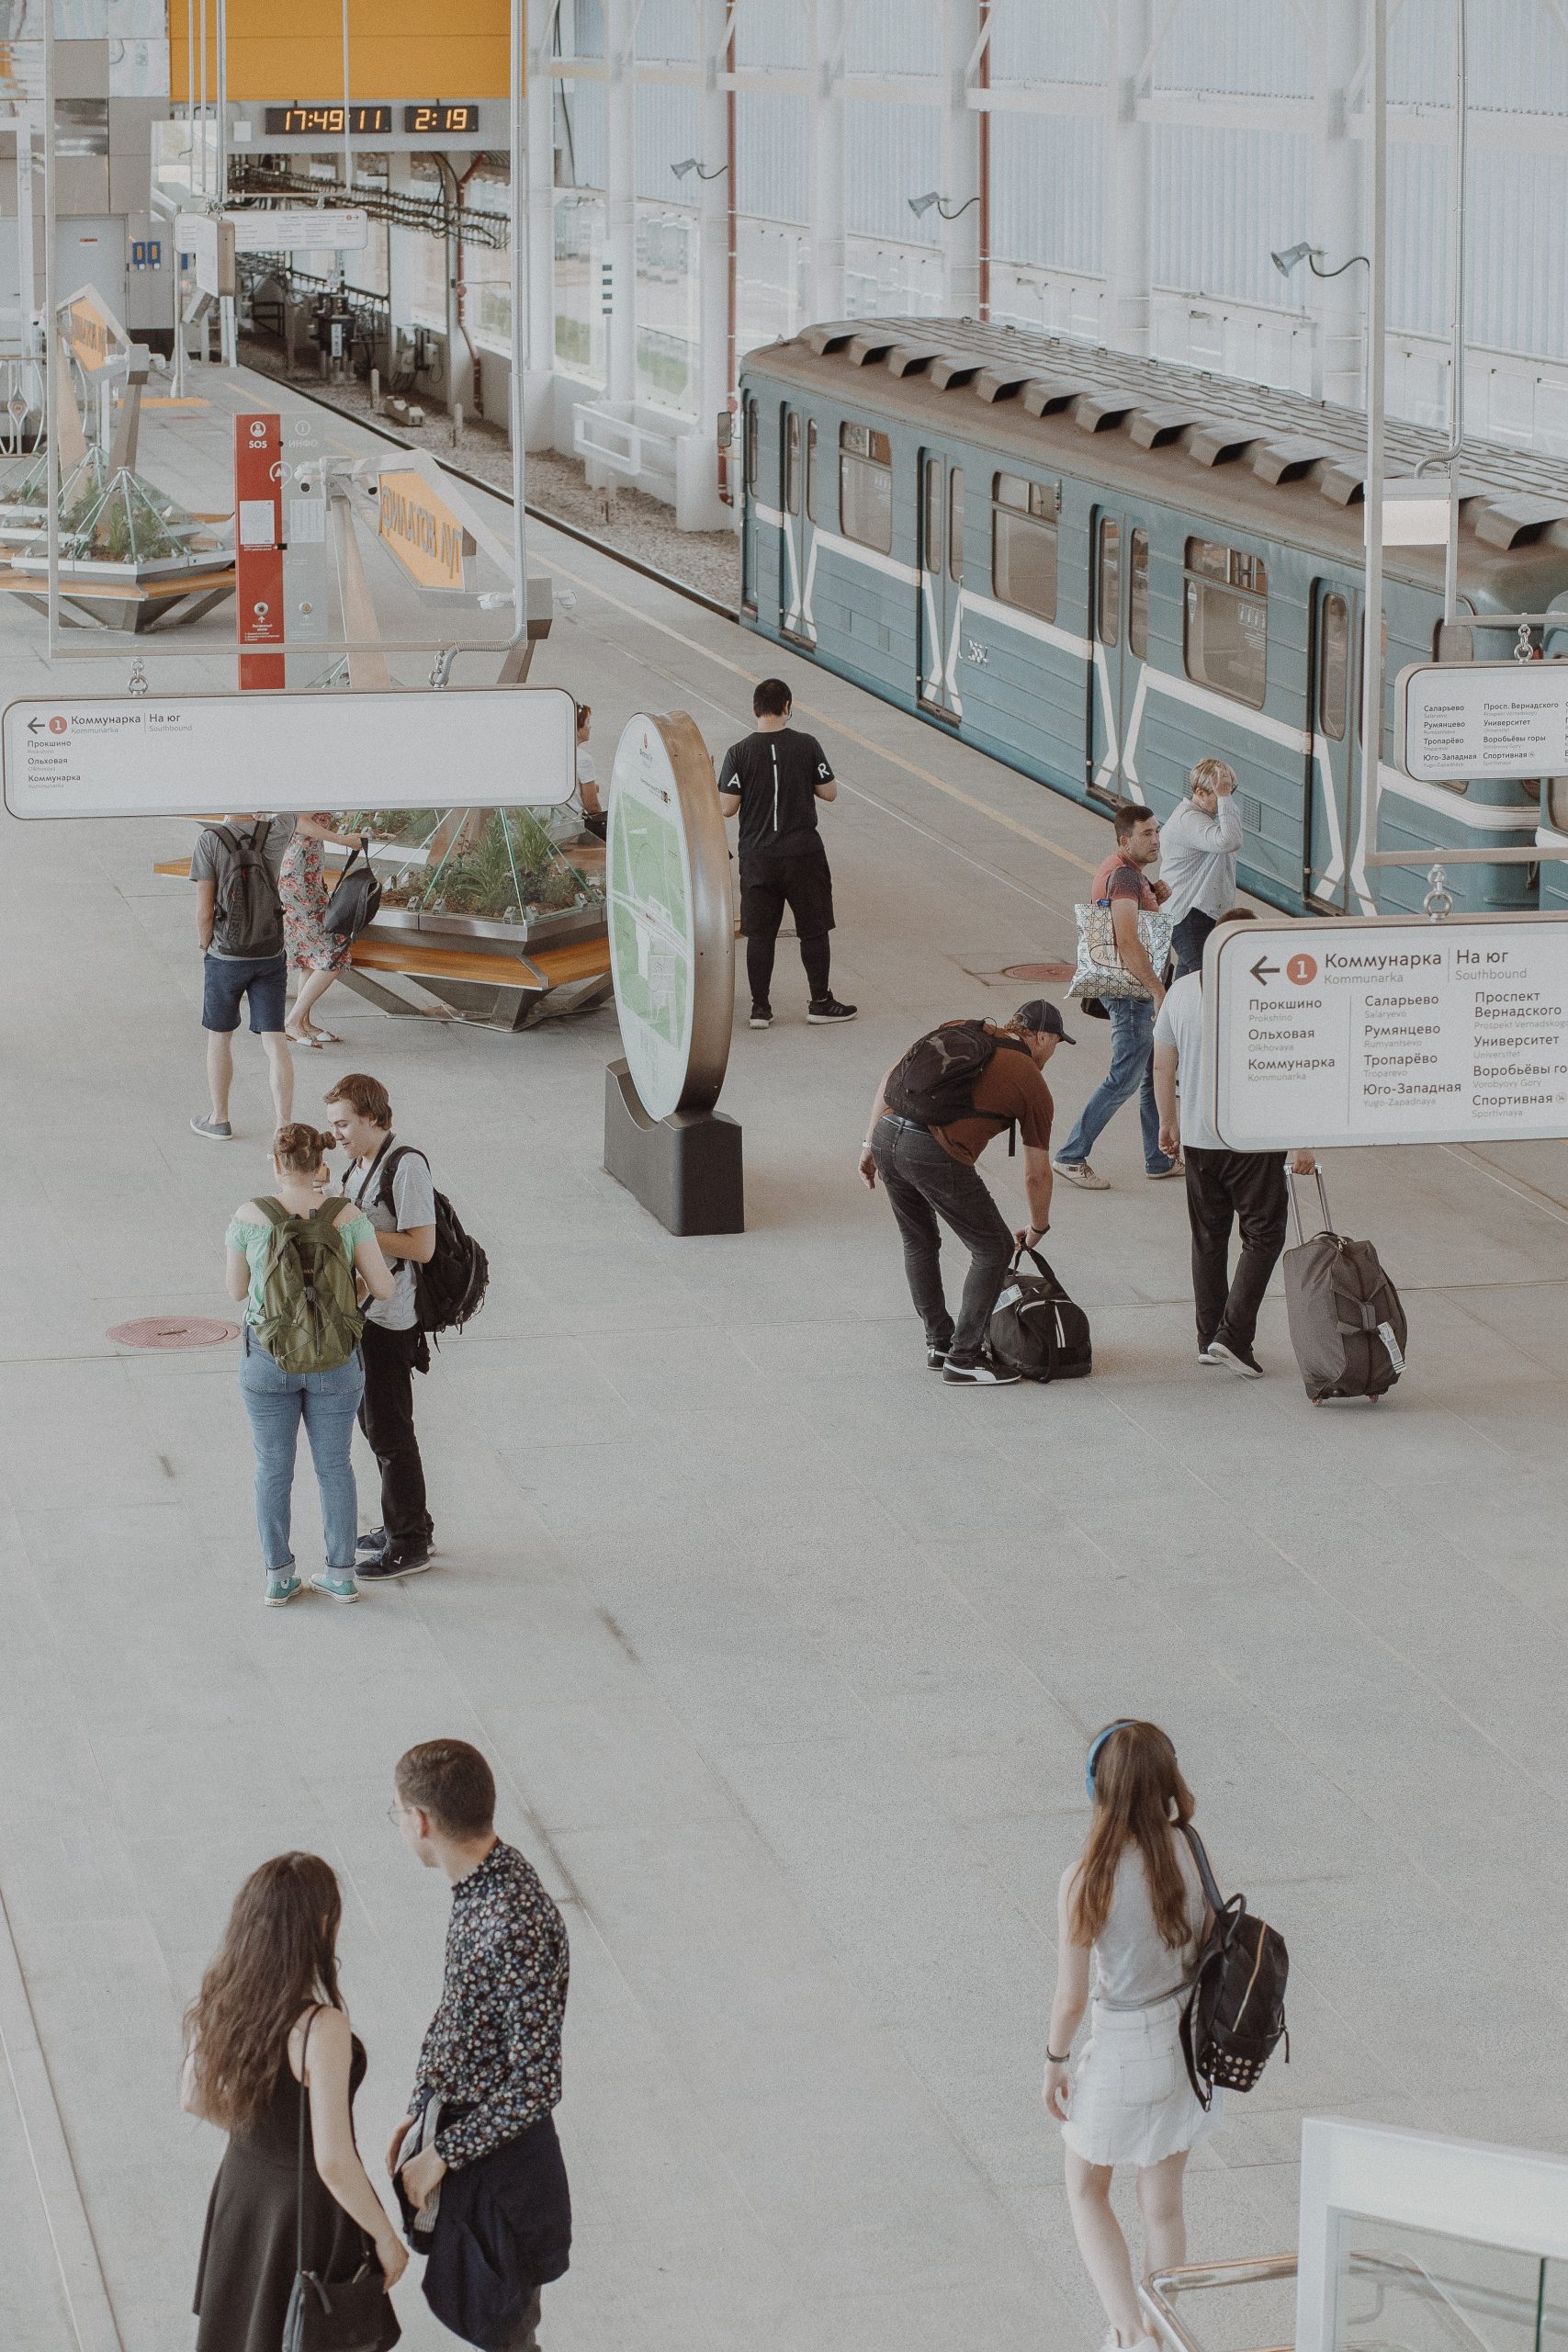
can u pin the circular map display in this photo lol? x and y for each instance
(672, 934)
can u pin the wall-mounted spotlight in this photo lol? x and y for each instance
(682, 171)
(1286, 261)
(919, 205)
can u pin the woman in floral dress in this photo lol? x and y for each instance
(317, 954)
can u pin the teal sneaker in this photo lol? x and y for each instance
(336, 1588)
(280, 1590)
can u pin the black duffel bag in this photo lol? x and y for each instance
(357, 900)
(1036, 1330)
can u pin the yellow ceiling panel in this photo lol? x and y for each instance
(289, 50)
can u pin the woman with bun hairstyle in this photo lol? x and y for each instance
(277, 1400)
(269, 2053)
(1132, 1904)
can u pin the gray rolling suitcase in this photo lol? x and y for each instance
(1347, 1324)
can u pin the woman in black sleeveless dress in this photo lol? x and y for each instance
(266, 2036)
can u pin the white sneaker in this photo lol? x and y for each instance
(1080, 1173)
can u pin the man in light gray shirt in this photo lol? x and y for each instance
(235, 972)
(1198, 845)
(392, 1183)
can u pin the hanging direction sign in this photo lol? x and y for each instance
(300, 228)
(178, 755)
(1380, 1031)
(1459, 719)
(94, 336)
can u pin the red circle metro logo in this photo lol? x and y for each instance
(1302, 969)
(57, 726)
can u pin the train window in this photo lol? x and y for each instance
(1138, 595)
(791, 461)
(751, 445)
(955, 524)
(930, 516)
(1333, 668)
(811, 472)
(1107, 586)
(1226, 630)
(866, 486)
(1023, 544)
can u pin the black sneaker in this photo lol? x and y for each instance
(978, 1372)
(761, 1016)
(1234, 1357)
(397, 1560)
(828, 1008)
(936, 1358)
(375, 1539)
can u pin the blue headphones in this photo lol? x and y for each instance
(1101, 1737)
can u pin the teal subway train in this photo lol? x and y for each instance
(1098, 568)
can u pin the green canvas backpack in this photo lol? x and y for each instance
(309, 1319)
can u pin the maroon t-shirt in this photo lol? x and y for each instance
(1118, 878)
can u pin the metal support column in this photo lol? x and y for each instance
(826, 160)
(960, 162)
(536, 352)
(715, 198)
(1124, 171)
(26, 249)
(1377, 313)
(620, 251)
(1338, 213)
(517, 194)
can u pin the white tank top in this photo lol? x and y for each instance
(1133, 1966)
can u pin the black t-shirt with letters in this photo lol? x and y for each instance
(777, 776)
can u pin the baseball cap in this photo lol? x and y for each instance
(1043, 1017)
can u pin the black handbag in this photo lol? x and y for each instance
(333, 2315)
(357, 900)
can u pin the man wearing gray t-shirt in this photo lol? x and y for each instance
(392, 1183)
(254, 972)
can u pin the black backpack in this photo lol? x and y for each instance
(1035, 1328)
(935, 1083)
(449, 1288)
(357, 900)
(248, 913)
(1235, 2017)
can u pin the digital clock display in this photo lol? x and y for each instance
(301, 122)
(446, 121)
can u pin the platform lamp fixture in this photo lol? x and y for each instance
(1291, 255)
(921, 204)
(684, 171)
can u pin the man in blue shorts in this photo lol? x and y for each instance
(239, 921)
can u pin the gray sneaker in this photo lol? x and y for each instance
(214, 1130)
(1080, 1173)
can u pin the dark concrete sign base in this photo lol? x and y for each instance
(685, 1170)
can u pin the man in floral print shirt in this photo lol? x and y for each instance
(491, 2165)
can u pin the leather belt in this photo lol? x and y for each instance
(912, 1125)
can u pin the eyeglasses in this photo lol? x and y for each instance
(394, 1813)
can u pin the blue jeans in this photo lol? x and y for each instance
(326, 1402)
(1132, 1072)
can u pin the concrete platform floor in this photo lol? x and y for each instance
(785, 1654)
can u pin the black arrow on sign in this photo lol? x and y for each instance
(1263, 970)
(37, 726)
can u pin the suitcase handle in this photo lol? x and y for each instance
(1328, 1224)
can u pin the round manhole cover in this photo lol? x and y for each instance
(1055, 971)
(173, 1331)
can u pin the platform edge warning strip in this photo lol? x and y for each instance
(89, 2312)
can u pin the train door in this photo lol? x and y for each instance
(1119, 645)
(1336, 721)
(748, 507)
(942, 583)
(798, 515)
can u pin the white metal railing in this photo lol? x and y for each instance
(608, 433)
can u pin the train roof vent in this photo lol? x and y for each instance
(1220, 442)
(1101, 412)
(865, 350)
(1152, 428)
(822, 340)
(949, 371)
(1290, 459)
(912, 359)
(1344, 485)
(1515, 522)
(1047, 395)
(1000, 383)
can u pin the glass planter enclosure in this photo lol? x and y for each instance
(505, 873)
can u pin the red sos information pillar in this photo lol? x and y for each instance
(258, 547)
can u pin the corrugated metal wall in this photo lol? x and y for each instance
(1222, 199)
(667, 130)
(668, 29)
(1238, 46)
(773, 156)
(1047, 191)
(1047, 40)
(891, 152)
(891, 36)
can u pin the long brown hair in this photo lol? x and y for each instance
(1139, 1797)
(278, 1954)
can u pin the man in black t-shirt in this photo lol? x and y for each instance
(774, 778)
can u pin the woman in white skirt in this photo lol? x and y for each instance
(1134, 1902)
